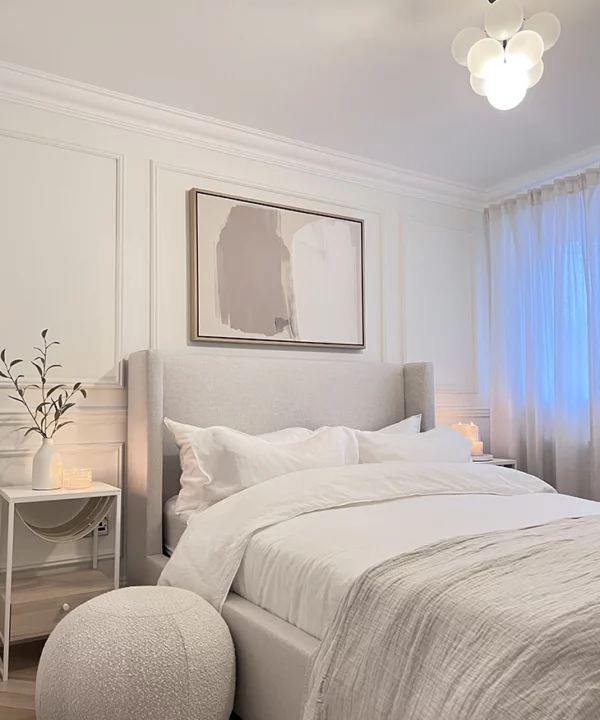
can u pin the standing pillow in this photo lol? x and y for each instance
(439, 445)
(233, 461)
(410, 426)
(192, 479)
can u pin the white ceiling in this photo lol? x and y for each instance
(373, 78)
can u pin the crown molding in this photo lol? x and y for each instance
(68, 97)
(546, 174)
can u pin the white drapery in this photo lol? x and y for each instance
(545, 332)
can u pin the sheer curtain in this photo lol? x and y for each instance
(545, 332)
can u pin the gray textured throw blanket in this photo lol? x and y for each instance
(502, 626)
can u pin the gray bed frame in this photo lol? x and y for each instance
(253, 394)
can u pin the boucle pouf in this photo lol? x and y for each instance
(151, 653)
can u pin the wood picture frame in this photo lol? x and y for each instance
(271, 274)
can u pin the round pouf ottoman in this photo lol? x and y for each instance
(140, 653)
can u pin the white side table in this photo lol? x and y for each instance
(502, 462)
(33, 607)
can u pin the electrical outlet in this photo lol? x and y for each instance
(103, 526)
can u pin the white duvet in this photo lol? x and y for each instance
(294, 544)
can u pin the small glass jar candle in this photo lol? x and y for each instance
(77, 478)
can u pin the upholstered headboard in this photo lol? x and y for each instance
(252, 394)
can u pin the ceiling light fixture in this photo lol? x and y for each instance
(505, 59)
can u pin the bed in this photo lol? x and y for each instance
(254, 395)
(289, 578)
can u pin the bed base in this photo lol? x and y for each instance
(272, 657)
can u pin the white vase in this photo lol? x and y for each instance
(47, 467)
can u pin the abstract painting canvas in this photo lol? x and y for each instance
(273, 274)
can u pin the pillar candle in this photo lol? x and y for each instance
(477, 449)
(468, 430)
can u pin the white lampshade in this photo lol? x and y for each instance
(464, 41)
(503, 19)
(507, 87)
(524, 50)
(485, 56)
(535, 74)
(478, 85)
(547, 26)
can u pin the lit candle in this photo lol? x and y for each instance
(477, 449)
(77, 478)
(468, 430)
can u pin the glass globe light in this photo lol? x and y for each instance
(535, 74)
(524, 50)
(485, 56)
(464, 41)
(506, 88)
(479, 85)
(503, 19)
(547, 26)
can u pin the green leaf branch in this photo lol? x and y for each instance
(55, 400)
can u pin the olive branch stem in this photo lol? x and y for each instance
(55, 402)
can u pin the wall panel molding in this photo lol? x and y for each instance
(107, 382)
(473, 387)
(97, 414)
(115, 449)
(156, 168)
(462, 412)
(95, 428)
(30, 451)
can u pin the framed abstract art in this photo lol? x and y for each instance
(274, 274)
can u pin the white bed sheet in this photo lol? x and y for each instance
(174, 525)
(300, 569)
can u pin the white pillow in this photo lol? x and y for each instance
(439, 445)
(233, 461)
(191, 474)
(410, 426)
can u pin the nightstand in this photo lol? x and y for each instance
(33, 607)
(501, 462)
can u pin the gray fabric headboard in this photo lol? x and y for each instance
(252, 394)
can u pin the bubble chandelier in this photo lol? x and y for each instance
(505, 59)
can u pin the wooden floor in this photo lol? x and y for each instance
(17, 694)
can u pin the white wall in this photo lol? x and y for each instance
(93, 242)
